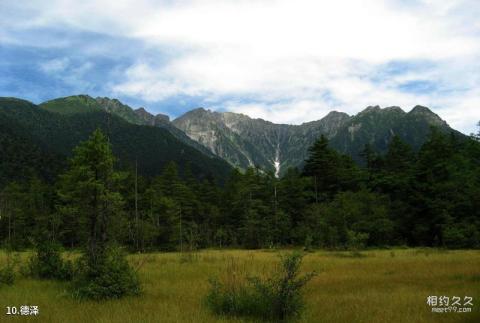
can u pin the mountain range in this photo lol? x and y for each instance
(206, 135)
(244, 141)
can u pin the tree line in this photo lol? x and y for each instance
(429, 197)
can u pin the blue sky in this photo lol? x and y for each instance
(284, 61)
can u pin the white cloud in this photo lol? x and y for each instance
(55, 65)
(293, 59)
(70, 73)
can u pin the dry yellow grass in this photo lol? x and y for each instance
(383, 286)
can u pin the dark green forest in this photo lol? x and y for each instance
(429, 197)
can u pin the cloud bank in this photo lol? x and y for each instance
(284, 61)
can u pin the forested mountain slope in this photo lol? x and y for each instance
(84, 103)
(50, 135)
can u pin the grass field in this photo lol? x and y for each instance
(379, 286)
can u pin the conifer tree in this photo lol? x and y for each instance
(89, 189)
(330, 171)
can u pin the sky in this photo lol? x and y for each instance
(283, 61)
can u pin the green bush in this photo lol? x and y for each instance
(110, 277)
(7, 275)
(276, 298)
(7, 271)
(356, 240)
(47, 263)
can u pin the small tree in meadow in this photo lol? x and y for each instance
(7, 270)
(88, 190)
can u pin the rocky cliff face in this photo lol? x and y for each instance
(245, 142)
(146, 118)
(222, 138)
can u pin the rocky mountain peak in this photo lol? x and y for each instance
(236, 121)
(141, 111)
(150, 119)
(370, 109)
(162, 118)
(420, 109)
(145, 116)
(423, 112)
(336, 116)
(335, 113)
(394, 109)
(107, 102)
(199, 111)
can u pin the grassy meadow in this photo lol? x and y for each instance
(375, 286)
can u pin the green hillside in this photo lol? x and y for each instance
(56, 134)
(72, 104)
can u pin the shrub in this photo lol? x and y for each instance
(47, 263)
(7, 275)
(356, 240)
(276, 298)
(110, 277)
(240, 301)
(7, 271)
